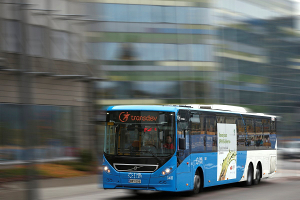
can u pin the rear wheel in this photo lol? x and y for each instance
(197, 183)
(257, 177)
(249, 176)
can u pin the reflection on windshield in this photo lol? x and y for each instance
(141, 139)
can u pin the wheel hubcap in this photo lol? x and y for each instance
(197, 181)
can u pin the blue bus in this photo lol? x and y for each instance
(186, 147)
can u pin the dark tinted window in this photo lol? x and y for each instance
(241, 135)
(211, 133)
(197, 133)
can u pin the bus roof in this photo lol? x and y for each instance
(175, 108)
(143, 108)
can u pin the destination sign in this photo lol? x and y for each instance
(134, 116)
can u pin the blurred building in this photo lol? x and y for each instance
(258, 50)
(46, 85)
(238, 52)
(153, 51)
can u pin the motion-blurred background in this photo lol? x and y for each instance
(62, 62)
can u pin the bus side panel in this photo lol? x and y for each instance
(210, 161)
(183, 182)
(167, 182)
(241, 164)
(197, 160)
(210, 169)
(264, 157)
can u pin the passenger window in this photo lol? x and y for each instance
(230, 120)
(197, 133)
(258, 126)
(211, 134)
(250, 137)
(266, 123)
(221, 119)
(273, 133)
(273, 127)
(241, 135)
(258, 133)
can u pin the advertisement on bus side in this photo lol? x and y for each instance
(227, 150)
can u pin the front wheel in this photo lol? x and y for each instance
(197, 183)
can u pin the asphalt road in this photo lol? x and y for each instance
(275, 189)
(284, 186)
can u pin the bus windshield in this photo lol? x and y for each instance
(140, 133)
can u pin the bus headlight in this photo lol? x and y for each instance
(166, 171)
(105, 168)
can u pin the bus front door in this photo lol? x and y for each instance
(184, 166)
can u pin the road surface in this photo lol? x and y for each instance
(275, 189)
(285, 185)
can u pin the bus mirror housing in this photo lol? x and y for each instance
(182, 144)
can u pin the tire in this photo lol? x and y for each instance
(249, 176)
(197, 183)
(256, 181)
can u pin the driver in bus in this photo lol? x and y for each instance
(169, 143)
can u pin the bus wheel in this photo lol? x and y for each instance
(197, 183)
(249, 176)
(257, 177)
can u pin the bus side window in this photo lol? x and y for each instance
(230, 120)
(211, 134)
(250, 137)
(197, 136)
(266, 124)
(273, 133)
(220, 119)
(258, 133)
(241, 135)
(273, 127)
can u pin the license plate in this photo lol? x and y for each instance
(135, 181)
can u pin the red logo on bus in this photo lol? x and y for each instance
(123, 117)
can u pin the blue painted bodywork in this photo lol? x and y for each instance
(181, 177)
(149, 181)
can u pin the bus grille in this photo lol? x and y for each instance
(121, 167)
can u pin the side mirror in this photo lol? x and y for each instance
(182, 144)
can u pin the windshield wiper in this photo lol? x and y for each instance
(153, 154)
